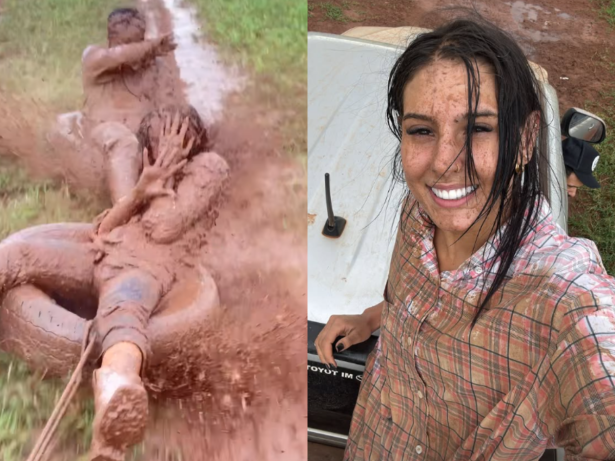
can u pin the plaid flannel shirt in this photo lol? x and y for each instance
(537, 371)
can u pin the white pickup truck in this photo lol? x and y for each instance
(348, 139)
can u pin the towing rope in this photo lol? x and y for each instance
(40, 450)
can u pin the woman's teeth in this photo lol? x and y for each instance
(454, 194)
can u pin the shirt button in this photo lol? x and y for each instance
(416, 350)
(419, 449)
(409, 341)
(420, 394)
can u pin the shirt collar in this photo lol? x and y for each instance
(482, 260)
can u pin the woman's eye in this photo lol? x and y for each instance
(482, 129)
(418, 131)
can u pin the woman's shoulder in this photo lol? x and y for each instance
(553, 251)
(574, 272)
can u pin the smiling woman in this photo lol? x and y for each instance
(497, 328)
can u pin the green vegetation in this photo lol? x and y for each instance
(607, 9)
(333, 12)
(41, 45)
(26, 401)
(24, 203)
(268, 36)
(40, 55)
(593, 216)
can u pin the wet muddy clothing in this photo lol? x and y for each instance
(153, 250)
(536, 371)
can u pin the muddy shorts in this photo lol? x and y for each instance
(126, 303)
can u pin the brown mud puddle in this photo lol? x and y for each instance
(566, 37)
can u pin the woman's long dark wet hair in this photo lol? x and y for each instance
(473, 42)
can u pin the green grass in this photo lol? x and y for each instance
(40, 55)
(266, 35)
(594, 211)
(41, 43)
(333, 12)
(269, 38)
(26, 401)
(607, 10)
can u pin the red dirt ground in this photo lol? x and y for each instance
(566, 37)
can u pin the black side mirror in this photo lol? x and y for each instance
(583, 125)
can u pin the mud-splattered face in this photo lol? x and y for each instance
(126, 31)
(434, 123)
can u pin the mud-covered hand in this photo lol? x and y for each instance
(354, 328)
(171, 158)
(152, 182)
(166, 44)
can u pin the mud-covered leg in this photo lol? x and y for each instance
(123, 157)
(63, 266)
(126, 303)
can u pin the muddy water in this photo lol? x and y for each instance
(207, 80)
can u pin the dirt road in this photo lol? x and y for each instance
(566, 37)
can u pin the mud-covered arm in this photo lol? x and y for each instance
(155, 181)
(197, 197)
(579, 377)
(122, 211)
(97, 61)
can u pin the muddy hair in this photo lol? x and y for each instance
(474, 41)
(196, 128)
(122, 17)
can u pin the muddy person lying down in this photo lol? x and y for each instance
(121, 85)
(130, 258)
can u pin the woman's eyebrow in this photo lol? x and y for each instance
(427, 118)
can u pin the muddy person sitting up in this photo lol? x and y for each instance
(129, 259)
(120, 83)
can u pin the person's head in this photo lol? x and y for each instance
(149, 129)
(572, 182)
(125, 25)
(581, 159)
(465, 105)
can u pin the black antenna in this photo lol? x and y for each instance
(335, 224)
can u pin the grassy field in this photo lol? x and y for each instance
(40, 54)
(593, 213)
(607, 8)
(269, 37)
